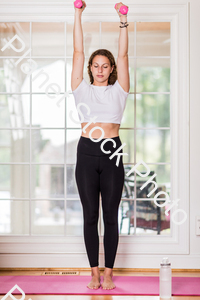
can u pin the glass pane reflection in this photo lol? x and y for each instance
(48, 145)
(153, 146)
(12, 78)
(14, 217)
(15, 111)
(46, 112)
(47, 181)
(14, 145)
(126, 212)
(128, 115)
(49, 77)
(127, 136)
(153, 110)
(73, 137)
(48, 38)
(153, 75)
(153, 38)
(47, 217)
(151, 219)
(8, 30)
(74, 215)
(162, 179)
(72, 190)
(14, 181)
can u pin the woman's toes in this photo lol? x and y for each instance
(108, 283)
(94, 283)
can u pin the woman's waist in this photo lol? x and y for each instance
(98, 146)
(106, 130)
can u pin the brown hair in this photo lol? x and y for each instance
(113, 76)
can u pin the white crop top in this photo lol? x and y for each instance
(105, 102)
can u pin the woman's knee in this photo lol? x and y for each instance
(91, 218)
(110, 218)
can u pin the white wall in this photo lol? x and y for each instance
(194, 124)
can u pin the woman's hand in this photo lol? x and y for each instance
(82, 8)
(118, 7)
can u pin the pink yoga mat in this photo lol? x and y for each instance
(77, 285)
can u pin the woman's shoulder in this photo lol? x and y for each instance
(81, 86)
(119, 88)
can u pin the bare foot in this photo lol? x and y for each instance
(95, 282)
(107, 281)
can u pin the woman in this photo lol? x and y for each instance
(95, 171)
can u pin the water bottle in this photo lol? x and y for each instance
(165, 278)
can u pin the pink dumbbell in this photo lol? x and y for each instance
(123, 9)
(78, 3)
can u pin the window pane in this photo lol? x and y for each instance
(48, 145)
(128, 188)
(49, 113)
(153, 145)
(125, 217)
(127, 136)
(153, 75)
(49, 77)
(48, 38)
(153, 110)
(7, 31)
(110, 37)
(14, 217)
(147, 191)
(69, 38)
(151, 219)
(14, 181)
(47, 181)
(90, 37)
(12, 78)
(15, 111)
(131, 63)
(14, 145)
(128, 115)
(73, 137)
(72, 191)
(57, 182)
(153, 38)
(72, 113)
(162, 179)
(74, 215)
(47, 217)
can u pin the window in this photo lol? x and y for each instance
(38, 193)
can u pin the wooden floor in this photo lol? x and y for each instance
(177, 273)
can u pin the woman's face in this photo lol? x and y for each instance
(101, 69)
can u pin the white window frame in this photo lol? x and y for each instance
(55, 249)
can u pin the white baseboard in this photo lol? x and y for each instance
(80, 260)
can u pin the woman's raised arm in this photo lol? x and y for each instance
(122, 59)
(78, 54)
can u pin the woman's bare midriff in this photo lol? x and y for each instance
(110, 130)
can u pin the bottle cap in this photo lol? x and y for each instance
(165, 262)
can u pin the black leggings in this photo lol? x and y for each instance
(96, 173)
